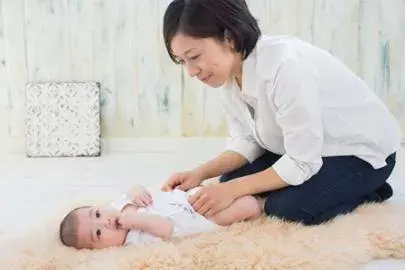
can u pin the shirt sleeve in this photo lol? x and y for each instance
(241, 140)
(296, 96)
(120, 202)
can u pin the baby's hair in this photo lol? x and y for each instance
(68, 229)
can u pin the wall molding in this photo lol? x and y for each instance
(16, 146)
(203, 145)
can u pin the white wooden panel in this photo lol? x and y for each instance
(47, 37)
(104, 64)
(214, 118)
(81, 16)
(119, 44)
(370, 68)
(261, 11)
(170, 90)
(395, 91)
(35, 37)
(335, 28)
(394, 64)
(14, 48)
(125, 69)
(292, 17)
(58, 53)
(4, 90)
(148, 81)
(192, 106)
(304, 14)
(159, 79)
(393, 59)
(202, 110)
(277, 14)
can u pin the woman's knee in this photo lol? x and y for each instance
(288, 209)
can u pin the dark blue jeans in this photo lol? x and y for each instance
(342, 184)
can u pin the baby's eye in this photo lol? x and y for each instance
(97, 214)
(195, 57)
(98, 232)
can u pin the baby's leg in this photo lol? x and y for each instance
(243, 208)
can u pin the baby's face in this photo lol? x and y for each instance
(98, 228)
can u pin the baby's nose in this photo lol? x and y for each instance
(110, 223)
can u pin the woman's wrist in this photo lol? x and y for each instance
(236, 188)
(264, 181)
(201, 173)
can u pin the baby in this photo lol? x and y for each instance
(142, 217)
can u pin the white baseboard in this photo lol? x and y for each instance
(139, 145)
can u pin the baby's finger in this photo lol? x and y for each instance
(145, 199)
(149, 197)
(196, 196)
(139, 202)
(199, 203)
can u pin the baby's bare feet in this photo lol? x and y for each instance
(244, 208)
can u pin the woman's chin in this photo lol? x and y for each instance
(214, 84)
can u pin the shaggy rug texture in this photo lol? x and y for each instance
(372, 231)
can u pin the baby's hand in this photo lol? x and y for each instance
(141, 196)
(126, 220)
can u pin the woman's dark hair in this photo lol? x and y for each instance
(217, 19)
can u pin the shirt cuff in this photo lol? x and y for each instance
(291, 172)
(121, 202)
(250, 150)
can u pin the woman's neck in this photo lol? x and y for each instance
(237, 70)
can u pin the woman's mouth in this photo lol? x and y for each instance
(206, 78)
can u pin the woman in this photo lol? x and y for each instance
(306, 132)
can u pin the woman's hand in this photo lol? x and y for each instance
(212, 199)
(183, 181)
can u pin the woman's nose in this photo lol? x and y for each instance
(192, 70)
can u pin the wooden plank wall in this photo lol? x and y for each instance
(119, 43)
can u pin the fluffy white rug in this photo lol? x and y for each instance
(373, 231)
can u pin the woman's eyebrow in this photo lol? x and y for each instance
(189, 50)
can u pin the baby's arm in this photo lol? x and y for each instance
(155, 225)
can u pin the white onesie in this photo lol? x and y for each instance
(173, 205)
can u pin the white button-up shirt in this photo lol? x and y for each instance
(302, 103)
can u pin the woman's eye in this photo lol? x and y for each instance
(97, 214)
(98, 232)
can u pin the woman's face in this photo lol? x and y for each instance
(211, 61)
